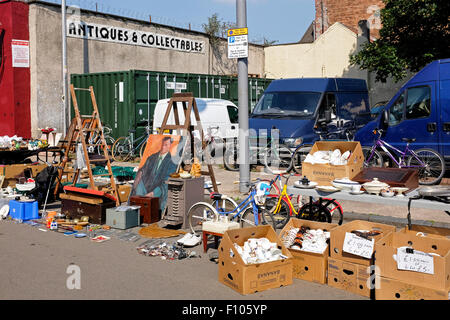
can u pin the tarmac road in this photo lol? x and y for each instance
(37, 265)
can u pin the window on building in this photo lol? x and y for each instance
(418, 103)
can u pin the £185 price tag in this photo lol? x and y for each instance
(415, 261)
(358, 246)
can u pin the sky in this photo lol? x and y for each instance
(283, 21)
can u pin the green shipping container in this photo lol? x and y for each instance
(125, 99)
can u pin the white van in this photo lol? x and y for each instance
(219, 117)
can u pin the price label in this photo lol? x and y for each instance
(415, 261)
(358, 246)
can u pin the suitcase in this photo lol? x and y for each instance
(149, 210)
(95, 212)
(124, 217)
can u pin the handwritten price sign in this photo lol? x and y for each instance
(358, 246)
(416, 261)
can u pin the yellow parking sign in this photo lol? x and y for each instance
(237, 32)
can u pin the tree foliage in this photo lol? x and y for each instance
(413, 33)
(216, 28)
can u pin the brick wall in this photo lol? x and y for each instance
(348, 12)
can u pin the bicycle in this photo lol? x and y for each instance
(95, 142)
(282, 208)
(274, 157)
(430, 163)
(125, 148)
(250, 212)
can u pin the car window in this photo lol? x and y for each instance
(418, 103)
(328, 103)
(396, 111)
(233, 114)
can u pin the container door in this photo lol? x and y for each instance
(414, 115)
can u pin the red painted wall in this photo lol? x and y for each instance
(15, 118)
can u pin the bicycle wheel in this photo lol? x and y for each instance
(431, 166)
(225, 205)
(315, 212)
(109, 143)
(299, 156)
(277, 160)
(230, 158)
(375, 161)
(264, 218)
(200, 213)
(283, 214)
(142, 149)
(121, 149)
(335, 209)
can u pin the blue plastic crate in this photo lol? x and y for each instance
(23, 210)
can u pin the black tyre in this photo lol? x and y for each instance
(264, 218)
(376, 160)
(315, 212)
(431, 166)
(277, 160)
(299, 156)
(230, 157)
(282, 216)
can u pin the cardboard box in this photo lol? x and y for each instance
(309, 266)
(432, 232)
(324, 174)
(393, 289)
(351, 277)
(10, 172)
(251, 278)
(124, 191)
(338, 235)
(437, 276)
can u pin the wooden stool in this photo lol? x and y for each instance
(205, 239)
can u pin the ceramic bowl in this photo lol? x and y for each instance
(344, 184)
(375, 186)
(399, 191)
(387, 194)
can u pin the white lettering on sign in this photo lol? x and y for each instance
(176, 85)
(358, 246)
(92, 31)
(238, 47)
(415, 261)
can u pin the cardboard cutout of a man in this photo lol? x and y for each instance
(151, 177)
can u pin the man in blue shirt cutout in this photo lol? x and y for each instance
(151, 177)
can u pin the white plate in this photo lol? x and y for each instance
(310, 185)
(357, 192)
(327, 188)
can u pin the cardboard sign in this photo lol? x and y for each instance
(413, 260)
(358, 246)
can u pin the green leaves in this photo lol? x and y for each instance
(414, 33)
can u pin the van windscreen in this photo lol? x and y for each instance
(299, 104)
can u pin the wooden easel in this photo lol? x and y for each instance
(189, 105)
(81, 129)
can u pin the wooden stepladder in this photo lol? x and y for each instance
(189, 105)
(85, 129)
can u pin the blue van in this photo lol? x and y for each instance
(420, 110)
(299, 109)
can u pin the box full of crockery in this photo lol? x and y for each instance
(429, 231)
(393, 289)
(415, 259)
(355, 241)
(330, 160)
(308, 242)
(351, 277)
(254, 259)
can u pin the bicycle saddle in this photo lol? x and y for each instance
(215, 196)
(409, 139)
